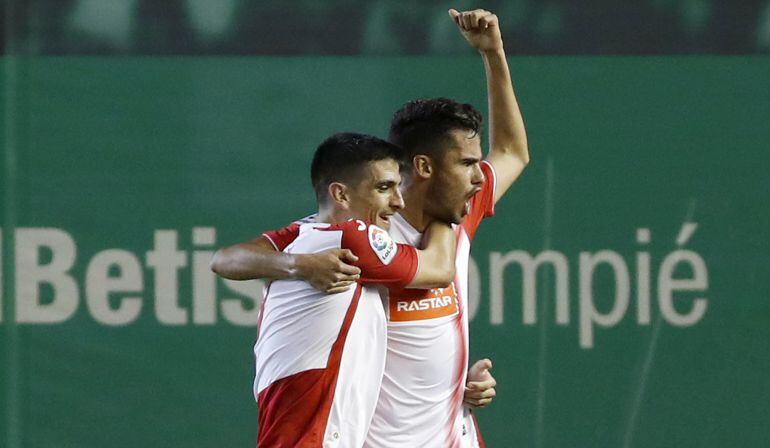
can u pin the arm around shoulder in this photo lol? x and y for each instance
(252, 260)
(258, 258)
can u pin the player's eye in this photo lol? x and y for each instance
(386, 187)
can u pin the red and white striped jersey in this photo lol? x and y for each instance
(420, 401)
(320, 357)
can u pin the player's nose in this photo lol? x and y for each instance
(397, 200)
(477, 177)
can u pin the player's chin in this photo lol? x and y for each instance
(461, 214)
(451, 216)
(383, 222)
(455, 218)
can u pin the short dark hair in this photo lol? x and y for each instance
(341, 157)
(422, 126)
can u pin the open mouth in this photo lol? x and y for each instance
(467, 205)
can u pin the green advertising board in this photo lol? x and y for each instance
(622, 290)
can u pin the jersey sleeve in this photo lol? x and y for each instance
(381, 260)
(482, 203)
(282, 237)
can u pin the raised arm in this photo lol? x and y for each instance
(508, 151)
(436, 268)
(328, 271)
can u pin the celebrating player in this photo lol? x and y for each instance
(425, 382)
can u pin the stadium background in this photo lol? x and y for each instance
(648, 129)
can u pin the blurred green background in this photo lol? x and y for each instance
(381, 27)
(138, 167)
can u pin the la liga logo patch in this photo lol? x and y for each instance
(382, 244)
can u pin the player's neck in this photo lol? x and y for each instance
(328, 215)
(414, 209)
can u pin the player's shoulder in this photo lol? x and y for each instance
(351, 230)
(299, 225)
(351, 225)
(309, 219)
(302, 224)
(359, 229)
(362, 237)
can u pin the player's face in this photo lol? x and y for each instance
(457, 177)
(377, 197)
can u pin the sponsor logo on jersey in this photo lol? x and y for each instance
(415, 304)
(423, 304)
(382, 244)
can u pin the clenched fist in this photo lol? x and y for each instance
(480, 28)
(480, 387)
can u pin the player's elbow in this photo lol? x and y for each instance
(524, 155)
(513, 154)
(521, 151)
(217, 264)
(221, 265)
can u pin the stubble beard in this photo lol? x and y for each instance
(439, 206)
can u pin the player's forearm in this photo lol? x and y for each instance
(507, 134)
(249, 261)
(436, 260)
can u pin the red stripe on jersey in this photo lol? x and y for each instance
(482, 205)
(457, 399)
(462, 365)
(479, 439)
(293, 411)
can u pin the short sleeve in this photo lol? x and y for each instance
(381, 260)
(283, 237)
(482, 203)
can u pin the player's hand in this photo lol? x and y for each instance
(479, 27)
(328, 271)
(480, 386)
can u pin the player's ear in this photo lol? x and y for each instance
(338, 193)
(423, 166)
